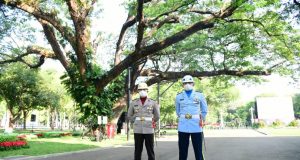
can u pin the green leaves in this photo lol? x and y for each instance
(23, 91)
(88, 101)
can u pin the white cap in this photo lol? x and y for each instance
(187, 79)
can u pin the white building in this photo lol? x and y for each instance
(270, 109)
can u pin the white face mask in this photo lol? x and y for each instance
(188, 87)
(143, 93)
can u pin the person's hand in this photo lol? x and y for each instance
(201, 123)
(153, 124)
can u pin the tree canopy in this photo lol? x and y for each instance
(161, 39)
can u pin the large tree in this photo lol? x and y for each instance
(201, 38)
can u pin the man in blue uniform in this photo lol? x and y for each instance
(191, 109)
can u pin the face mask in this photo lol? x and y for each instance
(143, 93)
(188, 87)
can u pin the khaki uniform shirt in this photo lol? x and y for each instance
(142, 115)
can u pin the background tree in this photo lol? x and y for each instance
(296, 104)
(20, 89)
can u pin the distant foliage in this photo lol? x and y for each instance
(260, 124)
(277, 123)
(294, 123)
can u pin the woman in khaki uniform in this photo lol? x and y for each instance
(143, 113)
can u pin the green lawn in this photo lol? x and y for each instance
(44, 146)
(281, 131)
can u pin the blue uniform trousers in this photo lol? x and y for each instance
(183, 144)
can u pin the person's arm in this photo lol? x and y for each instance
(130, 114)
(203, 107)
(156, 112)
(177, 105)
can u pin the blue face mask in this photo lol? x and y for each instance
(188, 87)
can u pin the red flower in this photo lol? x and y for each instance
(13, 144)
(39, 135)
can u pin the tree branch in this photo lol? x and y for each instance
(89, 8)
(38, 13)
(96, 42)
(172, 11)
(141, 25)
(203, 12)
(37, 65)
(171, 76)
(131, 20)
(253, 21)
(212, 60)
(50, 35)
(44, 53)
(82, 35)
(276, 65)
(159, 24)
(297, 3)
(155, 47)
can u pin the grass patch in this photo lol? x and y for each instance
(65, 144)
(170, 132)
(281, 131)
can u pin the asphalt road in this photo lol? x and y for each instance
(247, 145)
(217, 148)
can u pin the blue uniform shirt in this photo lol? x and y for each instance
(195, 104)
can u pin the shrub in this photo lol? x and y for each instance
(22, 137)
(66, 134)
(260, 124)
(40, 135)
(294, 123)
(8, 137)
(277, 123)
(76, 134)
(52, 134)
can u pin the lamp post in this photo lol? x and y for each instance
(158, 101)
(251, 113)
(128, 100)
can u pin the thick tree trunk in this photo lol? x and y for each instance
(24, 119)
(11, 123)
(52, 118)
(118, 108)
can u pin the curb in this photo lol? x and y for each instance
(261, 132)
(22, 157)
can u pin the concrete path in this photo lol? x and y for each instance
(255, 146)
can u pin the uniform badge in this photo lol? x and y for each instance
(149, 109)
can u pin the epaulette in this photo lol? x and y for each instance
(135, 99)
(179, 93)
(151, 99)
